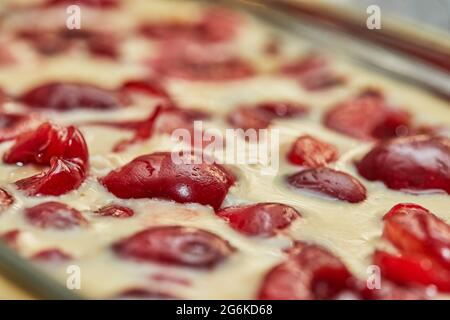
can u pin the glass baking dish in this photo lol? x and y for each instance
(333, 29)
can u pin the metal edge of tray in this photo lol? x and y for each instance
(31, 279)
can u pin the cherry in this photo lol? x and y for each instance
(367, 117)
(54, 215)
(198, 62)
(48, 141)
(156, 175)
(259, 116)
(410, 163)
(51, 255)
(415, 230)
(313, 73)
(311, 152)
(216, 25)
(62, 96)
(262, 219)
(116, 211)
(336, 184)
(104, 4)
(413, 270)
(175, 245)
(311, 273)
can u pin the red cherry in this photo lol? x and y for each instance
(6, 200)
(54, 215)
(64, 149)
(410, 163)
(367, 117)
(53, 255)
(336, 184)
(260, 115)
(415, 230)
(313, 72)
(413, 270)
(216, 25)
(175, 245)
(104, 4)
(62, 177)
(311, 152)
(46, 142)
(46, 42)
(70, 96)
(115, 211)
(157, 176)
(312, 273)
(199, 62)
(262, 219)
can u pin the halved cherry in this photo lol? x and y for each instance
(413, 270)
(116, 211)
(64, 96)
(157, 175)
(311, 152)
(54, 215)
(63, 176)
(64, 149)
(311, 273)
(410, 163)
(261, 219)
(46, 142)
(6, 200)
(145, 86)
(368, 117)
(53, 255)
(260, 115)
(337, 184)
(415, 230)
(175, 245)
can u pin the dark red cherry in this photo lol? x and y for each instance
(410, 163)
(259, 116)
(262, 219)
(157, 175)
(62, 96)
(333, 183)
(54, 215)
(175, 245)
(368, 117)
(13, 125)
(104, 4)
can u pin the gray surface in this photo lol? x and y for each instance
(433, 12)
